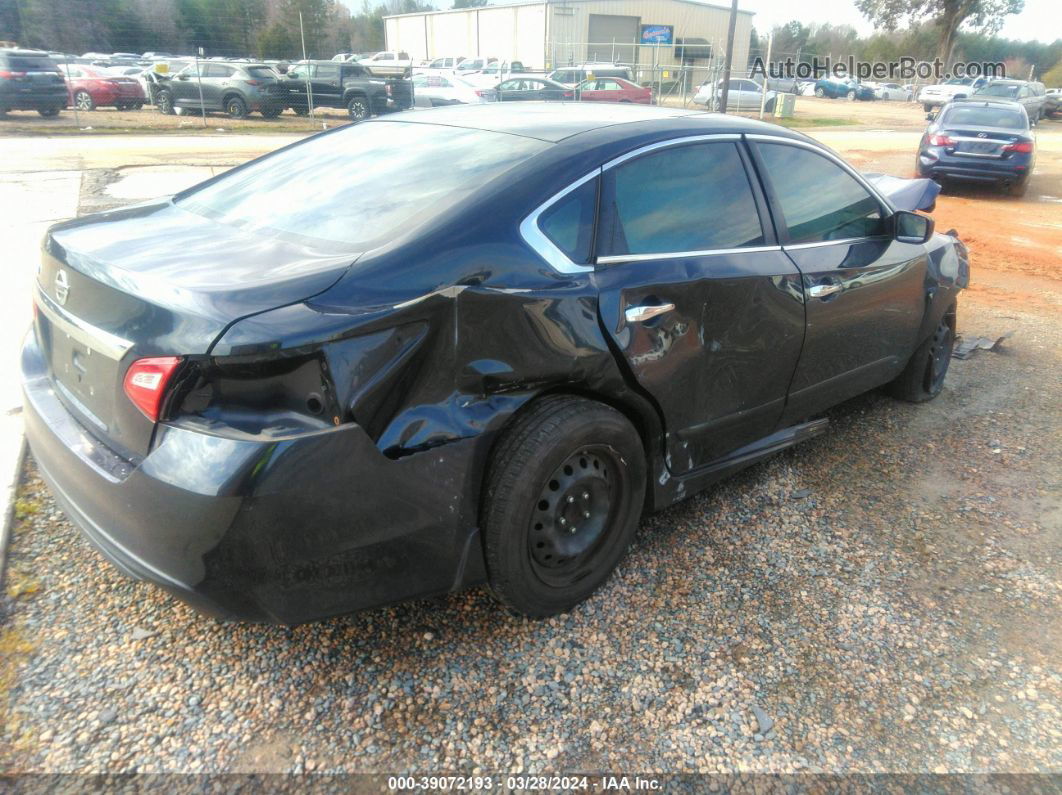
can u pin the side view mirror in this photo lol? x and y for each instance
(911, 227)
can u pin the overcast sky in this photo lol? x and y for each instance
(1039, 20)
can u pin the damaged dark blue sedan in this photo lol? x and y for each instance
(465, 345)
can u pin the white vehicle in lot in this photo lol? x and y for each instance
(448, 62)
(441, 89)
(956, 88)
(744, 94)
(491, 75)
(891, 91)
(475, 64)
(387, 58)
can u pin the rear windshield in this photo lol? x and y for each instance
(356, 188)
(30, 63)
(261, 71)
(985, 117)
(998, 90)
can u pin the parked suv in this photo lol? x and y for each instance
(956, 88)
(235, 88)
(1030, 96)
(345, 85)
(30, 80)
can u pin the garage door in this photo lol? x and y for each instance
(606, 28)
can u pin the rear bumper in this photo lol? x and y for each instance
(283, 531)
(971, 169)
(33, 100)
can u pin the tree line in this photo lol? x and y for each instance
(920, 40)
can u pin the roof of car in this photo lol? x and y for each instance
(555, 121)
(1008, 104)
(22, 52)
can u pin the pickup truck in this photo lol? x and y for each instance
(347, 85)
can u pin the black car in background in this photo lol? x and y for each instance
(345, 85)
(233, 88)
(30, 80)
(986, 142)
(470, 344)
(533, 89)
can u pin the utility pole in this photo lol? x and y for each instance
(763, 89)
(309, 89)
(729, 55)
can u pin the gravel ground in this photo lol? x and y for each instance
(883, 598)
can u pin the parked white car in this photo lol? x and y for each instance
(441, 89)
(475, 64)
(891, 91)
(744, 94)
(448, 62)
(491, 75)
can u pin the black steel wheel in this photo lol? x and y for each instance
(923, 378)
(564, 494)
(358, 108)
(236, 108)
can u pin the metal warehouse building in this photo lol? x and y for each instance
(552, 34)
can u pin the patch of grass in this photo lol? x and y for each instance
(15, 652)
(19, 584)
(25, 508)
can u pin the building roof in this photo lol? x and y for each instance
(553, 3)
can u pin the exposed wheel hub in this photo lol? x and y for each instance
(572, 511)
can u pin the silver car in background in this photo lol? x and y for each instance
(432, 90)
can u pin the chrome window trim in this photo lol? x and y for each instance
(843, 241)
(688, 139)
(95, 339)
(820, 149)
(711, 252)
(543, 246)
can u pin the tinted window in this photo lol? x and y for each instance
(263, 72)
(570, 222)
(958, 115)
(997, 90)
(820, 200)
(686, 198)
(28, 63)
(215, 70)
(327, 72)
(359, 186)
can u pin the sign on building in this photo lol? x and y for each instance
(658, 34)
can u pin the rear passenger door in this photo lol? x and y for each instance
(865, 290)
(696, 294)
(326, 86)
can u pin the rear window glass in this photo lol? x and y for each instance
(23, 63)
(356, 188)
(998, 90)
(261, 71)
(984, 117)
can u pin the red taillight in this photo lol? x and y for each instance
(483, 93)
(146, 380)
(1024, 147)
(6, 73)
(569, 95)
(941, 140)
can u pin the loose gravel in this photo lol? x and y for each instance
(883, 598)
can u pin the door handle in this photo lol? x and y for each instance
(639, 314)
(823, 290)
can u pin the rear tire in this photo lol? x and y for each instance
(49, 113)
(850, 96)
(564, 493)
(236, 108)
(1018, 188)
(820, 93)
(769, 107)
(927, 107)
(271, 113)
(358, 108)
(83, 101)
(923, 377)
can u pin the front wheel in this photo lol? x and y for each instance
(820, 93)
(923, 378)
(49, 112)
(850, 96)
(84, 101)
(164, 102)
(564, 493)
(927, 107)
(769, 107)
(358, 108)
(271, 112)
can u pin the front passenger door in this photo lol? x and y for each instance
(704, 306)
(865, 291)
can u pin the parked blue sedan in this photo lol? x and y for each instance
(986, 142)
(849, 89)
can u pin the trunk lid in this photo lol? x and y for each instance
(983, 141)
(155, 280)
